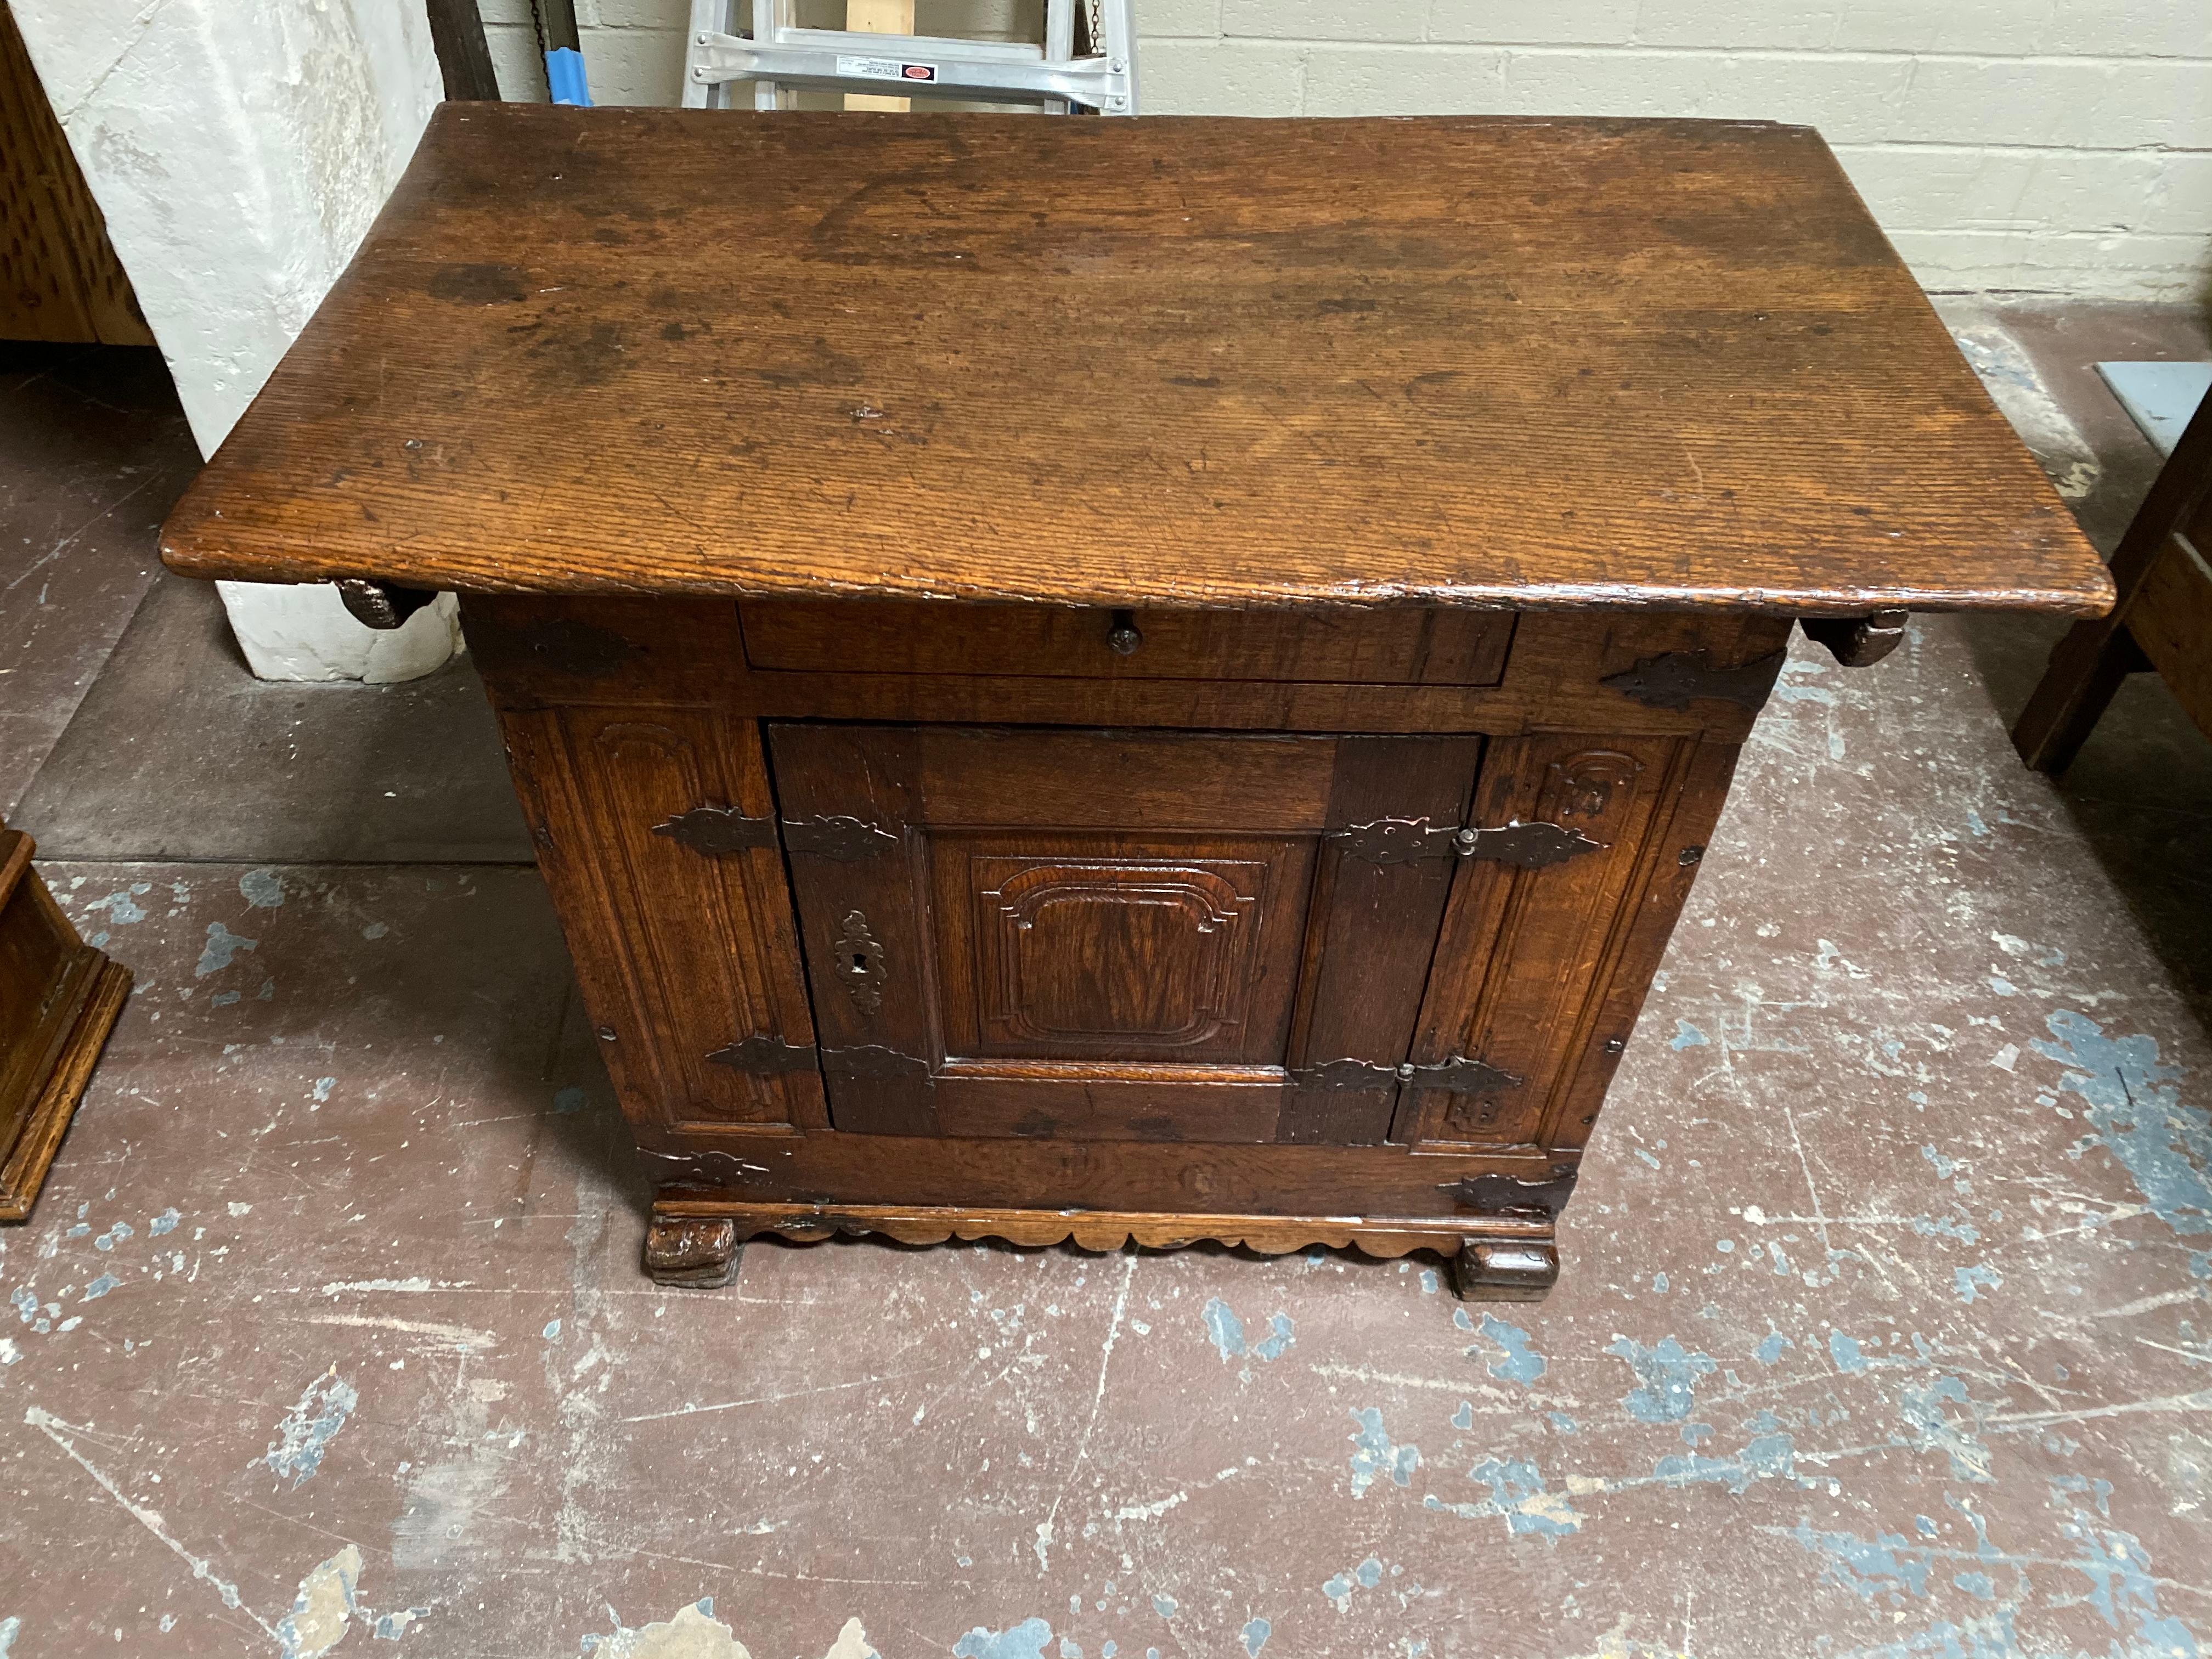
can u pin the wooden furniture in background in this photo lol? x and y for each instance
(60, 277)
(58, 999)
(1175, 684)
(2162, 570)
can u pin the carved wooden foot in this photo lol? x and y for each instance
(1511, 1270)
(699, 1252)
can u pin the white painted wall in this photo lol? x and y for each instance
(240, 153)
(2062, 145)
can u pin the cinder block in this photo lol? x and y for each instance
(497, 13)
(1404, 79)
(1324, 20)
(1851, 100)
(1931, 187)
(515, 64)
(2119, 28)
(1197, 18)
(2119, 267)
(1219, 77)
(1801, 25)
(1541, 22)
(2088, 103)
(635, 66)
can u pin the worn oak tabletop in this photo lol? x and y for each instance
(1173, 361)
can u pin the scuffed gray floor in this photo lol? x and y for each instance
(1883, 1328)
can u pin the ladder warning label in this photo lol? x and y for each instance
(885, 69)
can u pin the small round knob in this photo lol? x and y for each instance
(1122, 634)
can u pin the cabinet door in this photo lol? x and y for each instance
(1113, 936)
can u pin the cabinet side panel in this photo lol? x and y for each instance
(679, 952)
(1673, 852)
(1524, 949)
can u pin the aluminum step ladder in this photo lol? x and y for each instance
(779, 55)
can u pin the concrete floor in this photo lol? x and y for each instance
(1883, 1328)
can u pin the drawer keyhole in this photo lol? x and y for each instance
(1121, 634)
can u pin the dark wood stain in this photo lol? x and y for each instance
(1450, 361)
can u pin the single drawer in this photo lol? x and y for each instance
(1386, 647)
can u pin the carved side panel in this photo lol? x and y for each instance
(1528, 953)
(680, 952)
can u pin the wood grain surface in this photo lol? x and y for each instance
(1175, 362)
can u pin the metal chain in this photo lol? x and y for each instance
(1098, 29)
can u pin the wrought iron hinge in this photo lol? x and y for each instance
(1460, 1075)
(717, 831)
(1401, 841)
(764, 1055)
(1506, 1194)
(837, 836)
(1679, 679)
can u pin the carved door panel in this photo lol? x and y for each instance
(1530, 957)
(1115, 936)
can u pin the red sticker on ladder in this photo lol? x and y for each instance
(918, 71)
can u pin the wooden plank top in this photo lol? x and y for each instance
(1166, 361)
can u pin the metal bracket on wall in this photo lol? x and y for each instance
(1679, 679)
(1401, 841)
(1461, 1075)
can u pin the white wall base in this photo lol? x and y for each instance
(306, 634)
(238, 153)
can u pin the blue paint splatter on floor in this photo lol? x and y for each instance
(1943, 1166)
(1464, 1417)
(1669, 1375)
(1223, 1329)
(1769, 1457)
(101, 1286)
(1769, 1351)
(263, 889)
(1849, 1358)
(1280, 1334)
(1687, 1035)
(1374, 1455)
(2164, 1146)
(1165, 1606)
(1520, 1363)
(308, 1428)
(552, 1331)
(221, 946)
(164, 1223)
(1023, 1641)
(1256, 1634)
(1518, 1494)
(1964, 1281)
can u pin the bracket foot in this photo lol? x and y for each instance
(1496, 1270)
(694, 1252)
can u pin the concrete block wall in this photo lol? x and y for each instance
(2044, 144)
(2061, 145)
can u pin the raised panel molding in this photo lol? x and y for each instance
(1115, 950)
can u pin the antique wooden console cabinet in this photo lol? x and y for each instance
(1160, 679)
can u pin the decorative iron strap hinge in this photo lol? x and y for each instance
(719, 830)
(1506, 1194)
(1401, 841)
(1679, 679)
(1460, 1075)
(764, 1055)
